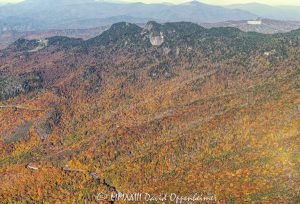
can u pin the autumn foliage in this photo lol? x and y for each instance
(207, 111)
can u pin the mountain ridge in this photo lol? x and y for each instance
(48, 13)
(164, 108)
(271, 12)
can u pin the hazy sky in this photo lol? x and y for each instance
(218, 2)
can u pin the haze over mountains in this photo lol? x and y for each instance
(41, 14)
(81, 18)
(57, 14)
(272, 12)
(37, 15)
(267, 26)
(42, 18)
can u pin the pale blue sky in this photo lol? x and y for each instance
(217, 2)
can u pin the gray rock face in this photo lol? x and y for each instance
(17, 134)
(157, 40)
(45, 125)
(13, 86)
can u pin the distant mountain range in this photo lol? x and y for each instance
(272, 12)
(37, 15)
(67, 14)
(267, 26)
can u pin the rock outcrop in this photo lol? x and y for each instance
(13, 86)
